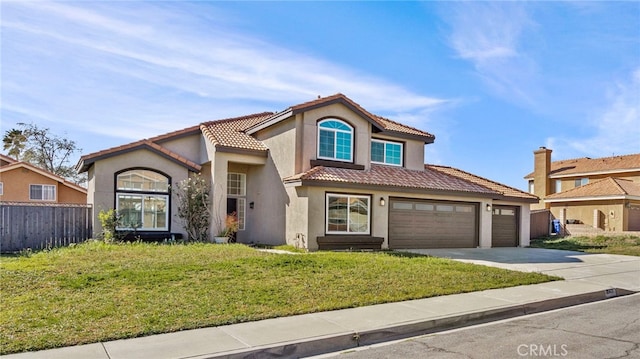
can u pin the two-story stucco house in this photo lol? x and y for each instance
(325, 174)
(603, 193)
(25, 183)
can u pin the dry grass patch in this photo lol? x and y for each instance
(611, 244)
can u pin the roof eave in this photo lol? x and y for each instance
(591, 198)
(427, 139)
(242, 151)
(592, 173)
(269, 122)
(392, 188)
(84, 165)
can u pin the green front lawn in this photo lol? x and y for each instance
(97, 292)
(614, 244)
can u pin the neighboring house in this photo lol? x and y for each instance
(24, 182)
(600, 192)
(324, 174)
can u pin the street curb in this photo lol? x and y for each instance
(353, 339)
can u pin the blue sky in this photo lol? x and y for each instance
(492, 80)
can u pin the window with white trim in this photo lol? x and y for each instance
(335, 140)
(42, 192)
(531, 187)
(1, 189)
(142, 200)
(558, 186)
(348, 214)
(237, 190)
(386, 152)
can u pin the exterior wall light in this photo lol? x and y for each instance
(251, 204)
(382, 201)
(488, 207)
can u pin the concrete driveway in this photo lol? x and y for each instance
(617, 271)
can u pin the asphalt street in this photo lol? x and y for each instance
(604, 329)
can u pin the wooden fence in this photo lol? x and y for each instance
(41, 226)
(540, 223)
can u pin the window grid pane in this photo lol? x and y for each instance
(377, 151)
(241, 207)
(393, 153)
(327, 143)
(335, 140)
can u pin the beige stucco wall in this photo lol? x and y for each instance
(16, 184)
(281, 141)
(102, 181)
(311, 201)
(187, 147)
(612, 213)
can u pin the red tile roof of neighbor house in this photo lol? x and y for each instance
(606, 188)
(25, 165)
(433, 178)
(498, 187)
(586, 165)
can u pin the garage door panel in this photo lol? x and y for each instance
(432, 224)
(634, 218)
(504, 228)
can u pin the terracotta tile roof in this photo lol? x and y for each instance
(607, 187)
(230, 132)
(393, 126)
(586, 165)
(383, 124)
(498, 187)
(380, 175)
(85, 161)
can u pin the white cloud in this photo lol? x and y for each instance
(615, 129)
(489, 36)
(152, 67)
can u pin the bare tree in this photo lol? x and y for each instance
(43, 149)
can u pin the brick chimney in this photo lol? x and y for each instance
(541, 169)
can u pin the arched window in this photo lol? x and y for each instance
(142, 200)
(335, 140)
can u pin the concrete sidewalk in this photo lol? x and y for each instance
(588, 277)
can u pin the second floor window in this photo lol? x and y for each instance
(386, 152)
(42, 192)
(581, 182)
(335, 140)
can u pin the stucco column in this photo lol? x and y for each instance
(563, 221)
(218, 194)
(525, 226)
(485, 224)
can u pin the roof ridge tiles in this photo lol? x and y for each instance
(236, 119)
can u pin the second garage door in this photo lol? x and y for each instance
(504, 227)
(432, 224)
